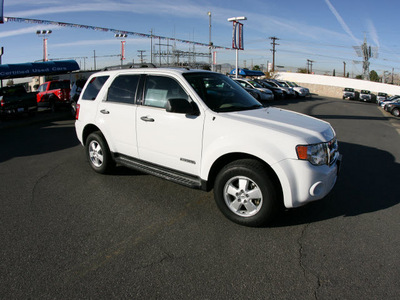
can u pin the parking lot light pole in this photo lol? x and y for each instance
(237, 38)
(122, 36)
(44, 34)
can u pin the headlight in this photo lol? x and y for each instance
(319, 154)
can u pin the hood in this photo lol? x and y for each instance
(304, 128)
(264, 90)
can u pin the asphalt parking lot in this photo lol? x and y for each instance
(68, 233)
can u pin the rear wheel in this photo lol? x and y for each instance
(98, 153)
(396, 112)
(245, 193)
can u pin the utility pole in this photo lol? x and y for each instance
(274, 39)
(344, 69)
(392, 74)
(94, 59)
(309, 66)
(151, 46)
(141, 55)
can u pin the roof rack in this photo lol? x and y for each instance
(130, 66)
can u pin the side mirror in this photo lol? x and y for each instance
(180, 106)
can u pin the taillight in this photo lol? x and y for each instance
(1, 101)
(77, 111)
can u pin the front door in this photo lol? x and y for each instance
(168, 139)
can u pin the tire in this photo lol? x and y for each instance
(396, 112)
(245, 193)
(98, 153)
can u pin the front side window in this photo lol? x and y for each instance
(93, 87)
(220, 93)
(123, 89)
(159, 89)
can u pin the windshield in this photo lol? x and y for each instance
(220, 93)
(284, 84)
(265, 84)
(256, 85)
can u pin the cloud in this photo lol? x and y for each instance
(101, 42)
(342, 22)
(27, 30)
(373, 33)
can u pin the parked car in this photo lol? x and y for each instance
(298, 90)
(201, 130)
(367, 96)
(393, 98)
(351, 94)
(389, 104)
(393, 108)
(15, 100)
(287, 92)
(54, 94)
(265, 94)
(381, 97)
(278, 94)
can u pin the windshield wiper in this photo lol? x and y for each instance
(239, 108)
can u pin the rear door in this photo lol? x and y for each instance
(116, 114)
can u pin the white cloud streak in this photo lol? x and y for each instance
(373, 33)
(341, 21)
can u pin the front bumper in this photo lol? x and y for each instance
(305, 182)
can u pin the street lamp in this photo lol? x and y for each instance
(122, 36)
(44, 34)
(237, 38)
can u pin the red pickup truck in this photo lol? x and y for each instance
(54, 94)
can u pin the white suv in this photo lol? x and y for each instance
(202, 130)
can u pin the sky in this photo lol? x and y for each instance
(323, 31)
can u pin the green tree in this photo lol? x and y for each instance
(302, 70)
(256, 68)
(373, 76)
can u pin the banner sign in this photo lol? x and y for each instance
(37, 69)
(237, 36)
(143, 35)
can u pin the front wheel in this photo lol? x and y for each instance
(245, 193)
(396, 112)
(98, 153)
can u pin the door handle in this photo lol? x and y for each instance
(147, 119)
(105, 111)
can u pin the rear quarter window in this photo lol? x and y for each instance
(93, 87)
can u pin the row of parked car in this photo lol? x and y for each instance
(53, 95)
(266, 90)
(390, 104)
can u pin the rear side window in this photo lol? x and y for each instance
(123, 89)
(55, 85)
(93, 87)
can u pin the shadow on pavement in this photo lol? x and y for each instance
(38, 138)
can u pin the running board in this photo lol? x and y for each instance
(162, 172)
